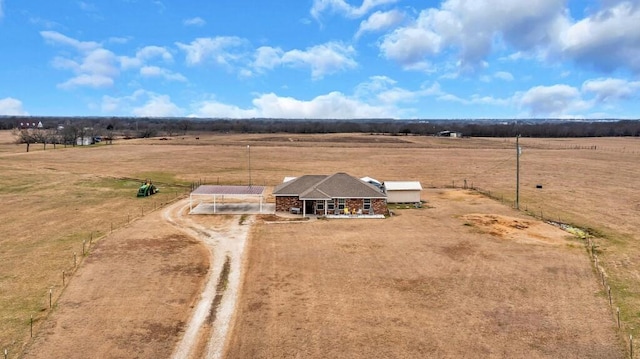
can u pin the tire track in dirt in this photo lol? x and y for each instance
(226, 246)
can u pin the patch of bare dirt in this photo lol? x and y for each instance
(518, 229)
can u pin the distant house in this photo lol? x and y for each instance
(85, 141)
(23, 125)
(335, 194)
(402, 191)
(449, 134)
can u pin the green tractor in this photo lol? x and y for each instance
(147, 189)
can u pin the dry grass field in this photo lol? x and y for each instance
(426, 281)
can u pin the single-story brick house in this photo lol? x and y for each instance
(335, 194)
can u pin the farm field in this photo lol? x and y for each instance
(54, 199)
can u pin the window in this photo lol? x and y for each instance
(330, 206)
(367, 203)
(340, 203)
(319, 205)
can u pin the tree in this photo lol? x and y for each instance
(24, 136)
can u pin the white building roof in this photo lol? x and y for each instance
(370, 180)
(402, 186)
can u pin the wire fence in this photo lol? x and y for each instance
(84, 250)
(77, 257)
(591, 245)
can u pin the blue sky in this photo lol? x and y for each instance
(400, 59)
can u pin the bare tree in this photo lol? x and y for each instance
(24, 136)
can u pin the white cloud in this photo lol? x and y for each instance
(57, 38)
(158, 106)
(466, 32)
(213, 108)
(379, 21)
(144, 55)
(334, 105)
(267, 57)
(10, 106)
(555, 100)
(141, 103)
(94, 66)
(344, 9)
(324, 59)
(377, 98)
(155, 71)
(502, 75)
(608, 90)
(469, 31)
(607, 40)
(221, 50)
(196, 21)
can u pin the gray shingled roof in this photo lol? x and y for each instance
(339, 185)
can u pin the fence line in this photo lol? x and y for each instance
(74, 262)
(590, 246)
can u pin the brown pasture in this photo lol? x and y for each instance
(435, 281)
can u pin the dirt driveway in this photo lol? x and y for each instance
(165, 284)
(225, 237)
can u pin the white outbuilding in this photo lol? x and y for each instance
(402, 191)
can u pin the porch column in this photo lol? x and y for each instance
(304, 208)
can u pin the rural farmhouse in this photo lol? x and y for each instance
(403, 191)
(336, 194)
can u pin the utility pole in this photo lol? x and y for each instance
(249, 152)
(517, 172)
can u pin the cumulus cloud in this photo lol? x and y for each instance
(10, 106)
(158, 106)
(556, 100)
(467, 32)
(470, 29)
(607, 40)
(379, 21)
(607, 90)
(324, 59)
(93, 66)
(379, 97)
(267, 57)
(196, 21)
(220, 50)
(343, 8)
(141, 103)
(333, 105)
(144, 55)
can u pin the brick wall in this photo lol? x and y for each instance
(379, 206)
(283, 204)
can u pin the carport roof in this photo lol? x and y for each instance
(229, 190)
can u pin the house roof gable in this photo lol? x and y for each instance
(339, 185)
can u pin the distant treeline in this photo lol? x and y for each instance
(152, 127)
